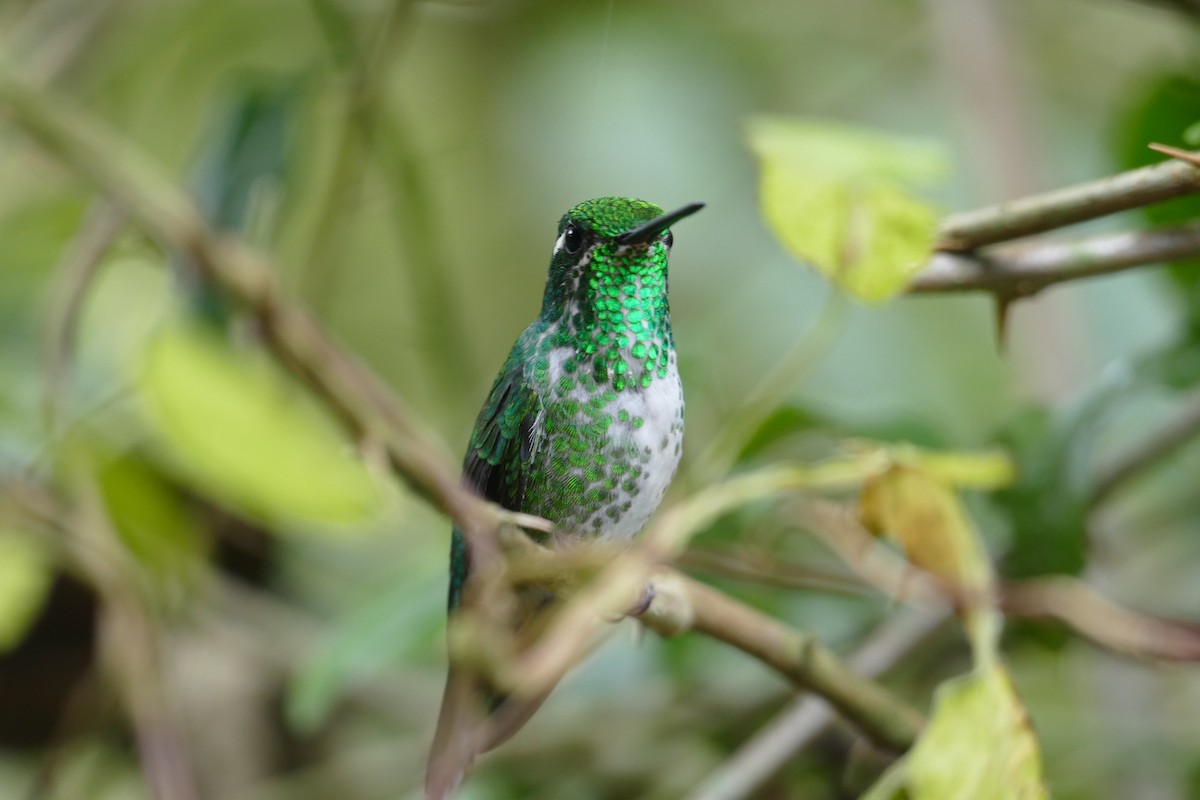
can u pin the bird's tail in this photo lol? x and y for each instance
(476, 716)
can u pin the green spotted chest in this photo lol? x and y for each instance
(602, 459)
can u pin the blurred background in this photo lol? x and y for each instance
(405, 164)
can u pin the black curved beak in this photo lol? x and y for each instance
(648, 230)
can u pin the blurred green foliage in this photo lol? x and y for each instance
(835, 197)
(405, 165)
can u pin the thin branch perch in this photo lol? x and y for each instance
(681, 604)
(798, 656)
(1057, 209)
(1016, 271)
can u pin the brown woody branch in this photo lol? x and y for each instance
(1057, 209)
(798, 656)
(1015, 271)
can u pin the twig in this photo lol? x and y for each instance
(1019, 271)
(800, 657)
(1175, 152)
(1081, 608)
(681, 604)
(723, 448)
(1177, 431)
(778, 741)
(1134, 189)
(74, 275)
(765, 569)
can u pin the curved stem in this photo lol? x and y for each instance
(722, 452)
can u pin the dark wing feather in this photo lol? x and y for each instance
(497, 461)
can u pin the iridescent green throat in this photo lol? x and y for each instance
(610, 305)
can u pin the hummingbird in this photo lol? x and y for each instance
(583, 427)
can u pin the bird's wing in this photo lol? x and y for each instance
(505, 437)
(506, 434)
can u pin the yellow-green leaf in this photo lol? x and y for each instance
(1191, 136)
(26, 572)
(239, 428)
(837, 197)
(978, 746)
(150, 518)
(926, 518)
(982, 470)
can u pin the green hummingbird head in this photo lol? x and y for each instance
(619, 238)
(606, 294)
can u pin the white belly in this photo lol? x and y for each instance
(642, 446)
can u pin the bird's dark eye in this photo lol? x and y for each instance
(572, 239)
(669, 239)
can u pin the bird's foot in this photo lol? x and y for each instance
(643, 604)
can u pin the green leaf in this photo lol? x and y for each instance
(149, 516)
(1191, 135)
(783, 423)
(978, 746)
(26, 572)
(245, 155)
(924, 515)
(837, 198)
(239, 179)
(239, 428)
(978, 470)
(1047, 507)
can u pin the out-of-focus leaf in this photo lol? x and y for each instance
(394, 621)
(26, 572)
(241, 429)
(239, 176)
(782, 423)
(1191, 136)
(861, 461)
(1047, 507)
(980, 470)
(924, 515)
(1175, 365)
(927, 520)
(245, 155)
(837, 198)
(978, 746)
(148, 514)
